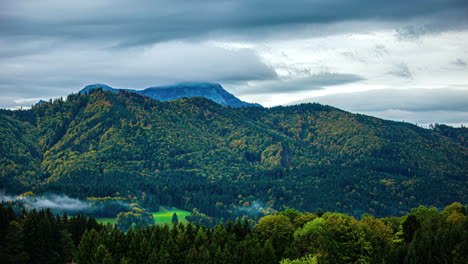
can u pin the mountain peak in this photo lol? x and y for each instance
(212, 91)
(104, 87)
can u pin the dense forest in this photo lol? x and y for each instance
(229, 162)
(289, 237)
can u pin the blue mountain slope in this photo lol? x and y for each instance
(104, 87)
(212, 91)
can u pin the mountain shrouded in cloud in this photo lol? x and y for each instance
(212, 91)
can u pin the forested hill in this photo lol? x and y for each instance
(194, 153)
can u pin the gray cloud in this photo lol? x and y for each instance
(459, 63)
(69, 68)
(128, 23)
(442, 99)
(255, 209)
(54, 202)
(312, 82)
(411, 32)
(62, 203)
(422, 106)
(381, 51)
(452, 118)
(401, 70)
(352, 55)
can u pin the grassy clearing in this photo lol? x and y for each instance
(164, 216)
(105, 221)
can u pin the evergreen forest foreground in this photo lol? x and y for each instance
(426, 235)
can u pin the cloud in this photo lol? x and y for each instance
(443, 99)
(27, 101)
(62, 203)
(71, 67)
(380, 51)
(255, 209)
(312, 82)
(459, 63)
(422, 106)
(452, 118)
(442, 22)
(54, 202)
(128, 23)
(401, 70)
(412, 32)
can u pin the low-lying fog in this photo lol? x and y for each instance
(63, 203)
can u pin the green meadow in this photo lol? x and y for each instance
(162, 217)
(103, 220)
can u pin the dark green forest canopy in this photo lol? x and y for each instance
(193, 153)
(426, 235)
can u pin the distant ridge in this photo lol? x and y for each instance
(212, 91)
(41, 102)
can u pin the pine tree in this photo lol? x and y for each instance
(86, 248)
(6, 216)
(175, 219)
(410, 226)
(268, 253)
(102, 255)
(14, 244)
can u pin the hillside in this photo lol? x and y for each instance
(194, 153)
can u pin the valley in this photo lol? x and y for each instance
(234, 132)
(163, 217)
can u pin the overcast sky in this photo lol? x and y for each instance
(400, 60)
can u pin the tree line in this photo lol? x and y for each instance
(425, 235)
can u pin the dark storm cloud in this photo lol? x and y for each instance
(313, 82)
(140, 22)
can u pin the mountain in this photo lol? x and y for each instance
(87, 89)
(41, 102)
(212, 91)
(193, 153)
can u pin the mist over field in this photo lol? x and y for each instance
(255, 209)
(61, 203)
